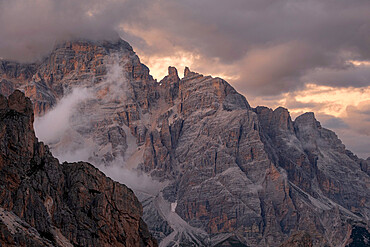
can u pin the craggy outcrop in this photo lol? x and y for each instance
(44, 203)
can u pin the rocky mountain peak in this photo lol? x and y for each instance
(172, 72)
(274, 121)
(186, 71)
(171, 78)
(307, 119)
(171, 85)
(112, 45)
(229, 174)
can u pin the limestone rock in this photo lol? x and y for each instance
(171, 84)
(44, 203)
(230, 174)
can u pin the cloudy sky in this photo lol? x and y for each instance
(306, 55)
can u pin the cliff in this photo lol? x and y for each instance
(44, 203)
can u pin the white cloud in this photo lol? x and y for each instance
(51, 127)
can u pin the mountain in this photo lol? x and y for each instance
(229, 174)
(44, 203)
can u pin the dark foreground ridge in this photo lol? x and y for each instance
(44, 203)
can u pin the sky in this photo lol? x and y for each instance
(305, 55)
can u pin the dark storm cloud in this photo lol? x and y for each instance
(30, 28)
(273, 46)
(356, 76)
(331, 122)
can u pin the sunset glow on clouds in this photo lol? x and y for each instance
(320, 99)
(346, 110)
(304, 55)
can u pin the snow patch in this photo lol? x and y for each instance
(173, 206)
(181, 229)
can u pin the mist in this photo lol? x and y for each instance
(54, 124)
(66, 128)
(136, 180)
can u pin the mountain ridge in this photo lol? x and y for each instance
(236, 174)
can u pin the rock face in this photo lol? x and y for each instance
(44, 203)
(232, 175)
(299, 239)
(119, 89)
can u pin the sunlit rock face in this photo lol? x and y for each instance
(230, 174)
(45, 203)
(109, 91)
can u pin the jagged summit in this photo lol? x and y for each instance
(111, 45)
(172, 76)
(172, 71)
(186, 71)
(231, 174)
